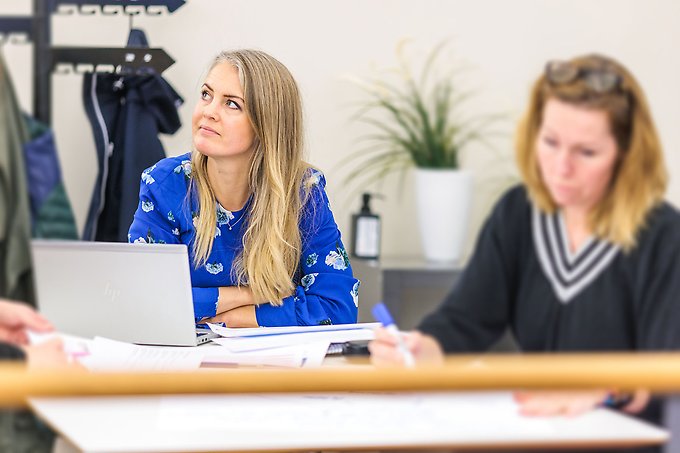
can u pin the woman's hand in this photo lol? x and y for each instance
(16, 318)
(384, 351)
(572, 403)
(568, 403)
(49, 355)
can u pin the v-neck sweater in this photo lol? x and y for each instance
(601, 298)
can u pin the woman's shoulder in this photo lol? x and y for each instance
(658, 241)
(666, 213)
(663, 224)
(315, 209)
(175, 169)
(513, 203)
(313, 190)
(313, 177)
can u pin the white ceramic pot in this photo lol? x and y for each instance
(443, 199)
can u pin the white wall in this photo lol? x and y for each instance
(506, 41)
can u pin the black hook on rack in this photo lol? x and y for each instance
(13, 26)
(110, 10)
(155, 11)
(47, 59)
(129, 7)
(87, 10)
(111, 59)
(14, 39)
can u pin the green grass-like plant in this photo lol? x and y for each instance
(416, 122)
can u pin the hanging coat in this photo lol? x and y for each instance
(126, 114)
(51, 213)
(16, 280)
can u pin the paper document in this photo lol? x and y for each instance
(246, 344)
(231, 332)
(73, 345)
(334, 421)
(103, 354)
(112, 355)
(304, 355)
(362, 416)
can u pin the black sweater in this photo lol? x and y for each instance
(523, 276)
(597, 299)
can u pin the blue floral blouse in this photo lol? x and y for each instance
(326, 292)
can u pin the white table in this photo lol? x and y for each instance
(294, 422)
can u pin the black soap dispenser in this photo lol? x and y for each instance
(366, 231)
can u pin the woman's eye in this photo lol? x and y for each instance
(586, 152)
(205, 95)
(550, 141)
(232, 105)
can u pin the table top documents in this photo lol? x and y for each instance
(281, 347)
(300, 422)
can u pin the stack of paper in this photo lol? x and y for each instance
(311, 342)
(289, 347)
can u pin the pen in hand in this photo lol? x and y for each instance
(382, 315)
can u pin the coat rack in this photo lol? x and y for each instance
(12, 27)
(46, 58)
(129, 7)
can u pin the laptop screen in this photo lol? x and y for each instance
(139, 293)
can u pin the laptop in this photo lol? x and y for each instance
(139, 293)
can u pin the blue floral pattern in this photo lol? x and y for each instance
(146, 176)
(214, 268)
(315, 178)
(341, 250)
(308, 280)
(335, 260)
(184, 168)
(338, 258)
(355, 293)
(224, 216)
(311, 259)
(147, 206)
(325, 290)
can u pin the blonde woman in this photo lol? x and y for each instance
(264, 247)
(585, 254)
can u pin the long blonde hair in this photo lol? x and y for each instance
(640, 177)
(271, 250)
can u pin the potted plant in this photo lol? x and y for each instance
(421, 123)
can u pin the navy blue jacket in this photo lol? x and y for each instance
(126, 112)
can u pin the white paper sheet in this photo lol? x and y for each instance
(208, 423)
(249, 344)
(361, 414)
(103, 354)
(73, 345)
(231, 332)
(112, 355)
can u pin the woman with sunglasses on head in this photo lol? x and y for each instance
(263, 244)
(585, 254)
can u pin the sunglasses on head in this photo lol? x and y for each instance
(600, 80)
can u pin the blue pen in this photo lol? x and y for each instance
(383, 316)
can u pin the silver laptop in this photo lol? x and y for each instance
(139, 293)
